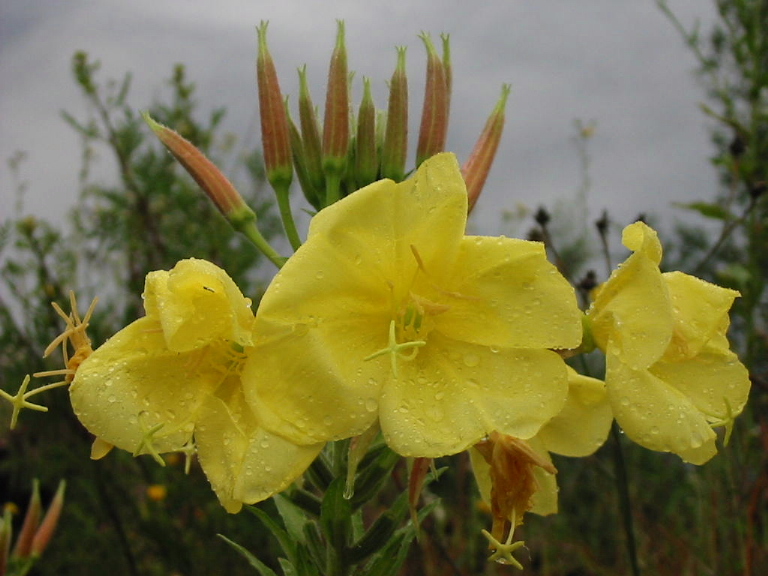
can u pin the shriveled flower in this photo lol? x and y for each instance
(171, 380)
(390, 312)
(517, 476)
(670, 373)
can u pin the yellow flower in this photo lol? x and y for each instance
(670, 373)
(390, 312)
(172, 379)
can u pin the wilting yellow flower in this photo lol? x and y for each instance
(517, 476)
(390, 312)
(172, 379)
(670, 373)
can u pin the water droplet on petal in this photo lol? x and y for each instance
(371, 405)
(471, 360)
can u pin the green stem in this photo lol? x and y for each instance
(625, 504)
(284, 203)
(332, 187)
(251, 231)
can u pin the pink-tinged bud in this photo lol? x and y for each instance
(477, 167)
(50, 522)
(366, 154)
(434, 114)
(395, 149)
(218, 188)
(418, 474)
(448, 65)
(336, 125)
(300, 163)
(275, 136)
(310, 134)
(29, 526)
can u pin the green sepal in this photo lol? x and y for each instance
(262, 568)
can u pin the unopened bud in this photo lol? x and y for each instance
(366, 154)
(310, 134)
(336, 124)
(478, 166)
(275, 136)
(300, 163)
(218, 188)
(48, 526)
(395, 148)
(23, 545)
(434, 114)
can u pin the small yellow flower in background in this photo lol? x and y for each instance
(389, 312)
(173, 378)
(517, 476)
(670, 373)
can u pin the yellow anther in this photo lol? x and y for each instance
(395, 349)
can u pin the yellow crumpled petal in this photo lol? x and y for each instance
(198, 303)
(371, 294)
(656, 414)
(583, 424)
(244, 462)
(700, 312)
(632, 312)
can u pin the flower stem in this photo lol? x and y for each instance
(251, 231)
(284, 203)
(625, 504)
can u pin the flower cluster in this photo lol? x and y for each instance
(390, 318)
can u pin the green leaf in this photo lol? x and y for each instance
(293, 517)
(286, 542)
(263, 569)
(707, 209)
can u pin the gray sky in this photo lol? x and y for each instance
(616, 62)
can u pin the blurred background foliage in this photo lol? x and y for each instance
(128, 516)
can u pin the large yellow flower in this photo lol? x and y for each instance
(670, 373)
(172, 379)
(390, 312)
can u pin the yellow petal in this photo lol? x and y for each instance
(244, 463)
(715, 382)
(452, 394)
(312, 384)
(632, 312)
(377, 225)
(700, 313)
(583, 424)
(133, 383)
(658, 415)
(197, 303)
(544, 500)
(504, 292)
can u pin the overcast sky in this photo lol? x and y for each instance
(618, 63)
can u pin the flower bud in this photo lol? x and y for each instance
(448, 65)
(395, 147)
(434, 114)
(477, 167)
(336, 124)
(275, 136)
(218, 188)
(300, 163)
(310, 134)
(366, 154)
(29, 526)
(50, 522)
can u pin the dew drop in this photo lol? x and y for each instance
(371, 405)
(471, 360)
(112, 399)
